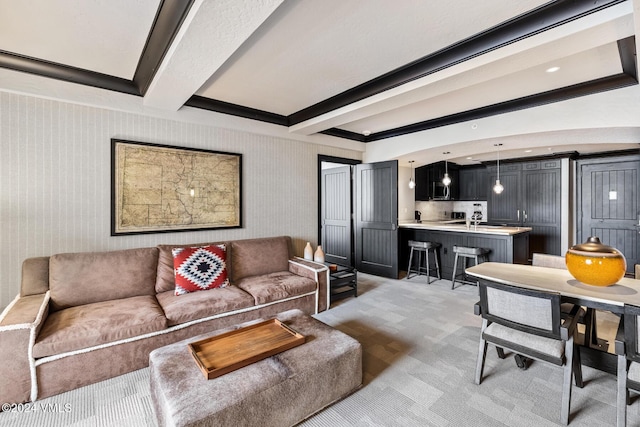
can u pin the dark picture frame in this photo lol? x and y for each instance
(159, 188)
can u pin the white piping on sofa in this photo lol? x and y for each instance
(317, 271)
(34, 384)
(32, 337)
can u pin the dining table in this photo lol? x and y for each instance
(611, 298)
(607, 298)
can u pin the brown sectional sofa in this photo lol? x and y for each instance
(86, 317)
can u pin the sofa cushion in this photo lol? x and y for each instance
(90, 277)
(165, 277)
(276, 286)
(89, 325)
(35, 276)
(198, 305)
(255, 257)
(200, 269)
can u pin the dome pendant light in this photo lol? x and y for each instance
(412, 182)
(498, 188)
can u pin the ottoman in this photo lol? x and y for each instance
(281, 390)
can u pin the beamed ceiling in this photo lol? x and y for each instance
(382, 73)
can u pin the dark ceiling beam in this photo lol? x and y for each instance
(167, 23)
(263, 116)
(346, 134)
(169, 18)
(562, 94)
(236, 110)
(539, 20)
(627, 51)
(64, 72)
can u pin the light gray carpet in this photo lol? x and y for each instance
(420, 343)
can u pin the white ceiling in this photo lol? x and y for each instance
(106, 37)
(282, 56)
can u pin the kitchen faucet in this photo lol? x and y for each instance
(477, 216)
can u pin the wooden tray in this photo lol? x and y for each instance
(224, 353)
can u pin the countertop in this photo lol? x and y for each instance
(462, 228)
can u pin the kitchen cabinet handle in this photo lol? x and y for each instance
(524, 216)
(518, 213)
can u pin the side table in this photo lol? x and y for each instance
(343, 282)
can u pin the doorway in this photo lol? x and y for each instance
(358, 214)
(335, 209)
(608, 203)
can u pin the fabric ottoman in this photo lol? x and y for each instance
(281, 390)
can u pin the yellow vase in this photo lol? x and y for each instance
(596, 264)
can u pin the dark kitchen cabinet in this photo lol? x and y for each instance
(504, 208)
(422, 183)
(429, 182)
(531, 198)
(473, 183)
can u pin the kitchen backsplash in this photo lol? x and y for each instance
(440, 210)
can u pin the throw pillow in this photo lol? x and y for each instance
(199, 269)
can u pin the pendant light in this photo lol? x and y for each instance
(446, 180)
(412, 182)
(498, 188)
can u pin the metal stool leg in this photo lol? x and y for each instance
(409, 268)
(455, 266)
(435, 257)
(426, 254)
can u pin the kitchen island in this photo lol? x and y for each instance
(506, 244)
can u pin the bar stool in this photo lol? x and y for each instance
(466, 253)
(423, 248)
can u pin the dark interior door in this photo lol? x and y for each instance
(608, 204)
(336, 215)
(376, 218)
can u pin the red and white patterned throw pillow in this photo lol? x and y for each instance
(199, 269)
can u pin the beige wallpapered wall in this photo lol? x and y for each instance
(55, 181)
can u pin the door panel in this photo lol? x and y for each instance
(608, 203)
(376, 218)
(541, 210)
(336, 215)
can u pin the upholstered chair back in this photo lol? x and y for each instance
(522, 309)
(551, 261)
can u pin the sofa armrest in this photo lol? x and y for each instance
(316, 271)
(20, 322)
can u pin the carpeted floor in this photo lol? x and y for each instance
(420, 343)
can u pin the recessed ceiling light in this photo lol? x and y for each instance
(528, 151)
(552, 69)
(469, 158)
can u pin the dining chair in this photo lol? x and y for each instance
(529, 322)
(626, 347)
(551, 261)
(589, 318)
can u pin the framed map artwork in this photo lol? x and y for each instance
(160, 188)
